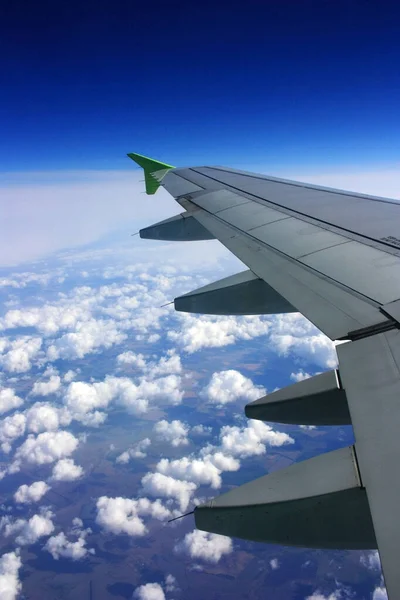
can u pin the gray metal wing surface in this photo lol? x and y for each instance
(333, 256)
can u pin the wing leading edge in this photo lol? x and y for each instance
(333, 256)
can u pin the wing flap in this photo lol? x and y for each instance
(369, 271)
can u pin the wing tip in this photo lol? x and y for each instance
(150, 166)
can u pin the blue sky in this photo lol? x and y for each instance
(275, 83)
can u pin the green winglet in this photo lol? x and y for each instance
(150, 166)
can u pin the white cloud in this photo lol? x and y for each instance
(81, 398)
(153, 338)
(229, 386)
(48, 319)
(20, 354)
(137, 451)
(87, 338)
(201, 430)
(42, 416)
(380, 593)
(130, 358)
(28, 532)
(123, 458)
(60, 546)
(166, 365)
(299, 376)
(21, 280)
(10, 586)
(123, 515)
(163, 486)
(45, 388)
(371, 560)
(210, 547)
(274, 564)
(170, 583)
(318, 596)
(201, 471)
(149, 591)
(11, 428)
(69, 376)
(9, 400)
(66, 470)
(46, 448)
(214, 332)
(292, 334)
(174, 432)
(27, 494)
(251, 439)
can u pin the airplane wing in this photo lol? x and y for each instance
(333, 256)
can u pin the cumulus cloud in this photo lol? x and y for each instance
(20, 353)
(45, 448)
(214, 332)
(292, 334)
(299, 376)
(42, 416)
(201, 430)
(174, 432)
(130, 358)
(163, 486)
(137, 451)
(250, 440)
(123, 515)
(170, 583)
(87, 338)
(274, 564)
(380, 593)
(60, 546)
(10, 586)
(45, 388)
(11, 428)
(48, 319)
(27, 494)
(21, 280)
(82, 398)
(210, 547)
(149, 591)
(229, 386)
(66, 470)
(371, 560)
(69, 376)
(318, 596)
(201, 471)
(27, 532)
(9, 400)
(166, 365)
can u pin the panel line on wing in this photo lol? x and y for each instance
(327, 247)
(304, 185)
(322, 222)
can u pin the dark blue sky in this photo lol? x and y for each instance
(286, 82)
